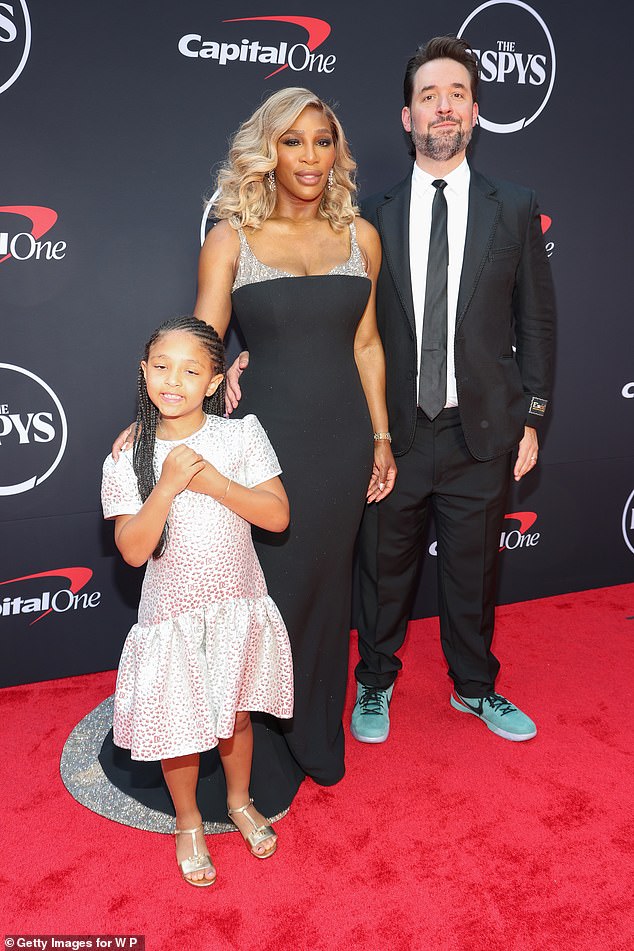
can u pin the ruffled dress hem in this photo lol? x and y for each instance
(182, 680)
(187, 751)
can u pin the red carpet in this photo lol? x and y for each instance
(446, 837)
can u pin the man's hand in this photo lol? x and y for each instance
(527, 453)
(233, 393)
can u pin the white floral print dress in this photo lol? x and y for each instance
(209, 640)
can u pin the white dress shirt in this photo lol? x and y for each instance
(457, 196)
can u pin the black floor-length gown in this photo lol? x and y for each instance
(303, 385)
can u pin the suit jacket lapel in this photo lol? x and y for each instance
(484, 211)
(393, 219)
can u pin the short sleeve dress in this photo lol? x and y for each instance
(209, 640)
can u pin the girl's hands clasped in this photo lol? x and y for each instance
(179, 468)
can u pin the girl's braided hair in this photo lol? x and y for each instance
(148, 415)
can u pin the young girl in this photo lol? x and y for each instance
(210, 644)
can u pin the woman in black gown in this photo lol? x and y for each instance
(297, 266)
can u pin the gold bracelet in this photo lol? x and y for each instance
(379, 436)
(222, 497)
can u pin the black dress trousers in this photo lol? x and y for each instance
(468, 500)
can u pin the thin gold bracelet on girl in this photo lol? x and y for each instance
(222, 497)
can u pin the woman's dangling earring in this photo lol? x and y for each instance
(331, 180)
(271, 178)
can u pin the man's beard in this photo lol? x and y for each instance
(441, 147)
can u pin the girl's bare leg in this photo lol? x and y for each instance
(236, 755)
(181, 776)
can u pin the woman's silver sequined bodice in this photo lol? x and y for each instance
(252, 271)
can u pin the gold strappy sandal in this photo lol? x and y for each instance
(259, 835)
(198, 862)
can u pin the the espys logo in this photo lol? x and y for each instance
(15, 41)
(33, 430)
(284, 53)
(205, 217)
(627, 523)
(21, 245)
(628, 391)
(515, 537)
(38, 595)
(517, 63)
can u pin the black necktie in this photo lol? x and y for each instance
(432, 379)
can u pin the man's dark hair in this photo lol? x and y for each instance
(441, 47)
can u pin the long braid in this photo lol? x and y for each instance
(148, 415)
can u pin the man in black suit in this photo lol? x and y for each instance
(465, 307)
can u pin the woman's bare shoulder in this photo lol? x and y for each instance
(369, 242)
(222, 241)
(365, 230)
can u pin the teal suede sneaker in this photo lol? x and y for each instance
(371, 717)
(499, 714)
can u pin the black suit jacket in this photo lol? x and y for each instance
(506, 299)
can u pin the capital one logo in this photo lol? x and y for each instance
(513, 535)
(33, 430)
(517, 63)
(546, 222)
(519, 536)
(15, 41)
(285, 53)
(627, 523)
(23, 245)
(37, 594)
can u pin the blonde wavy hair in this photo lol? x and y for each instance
(244, 197)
